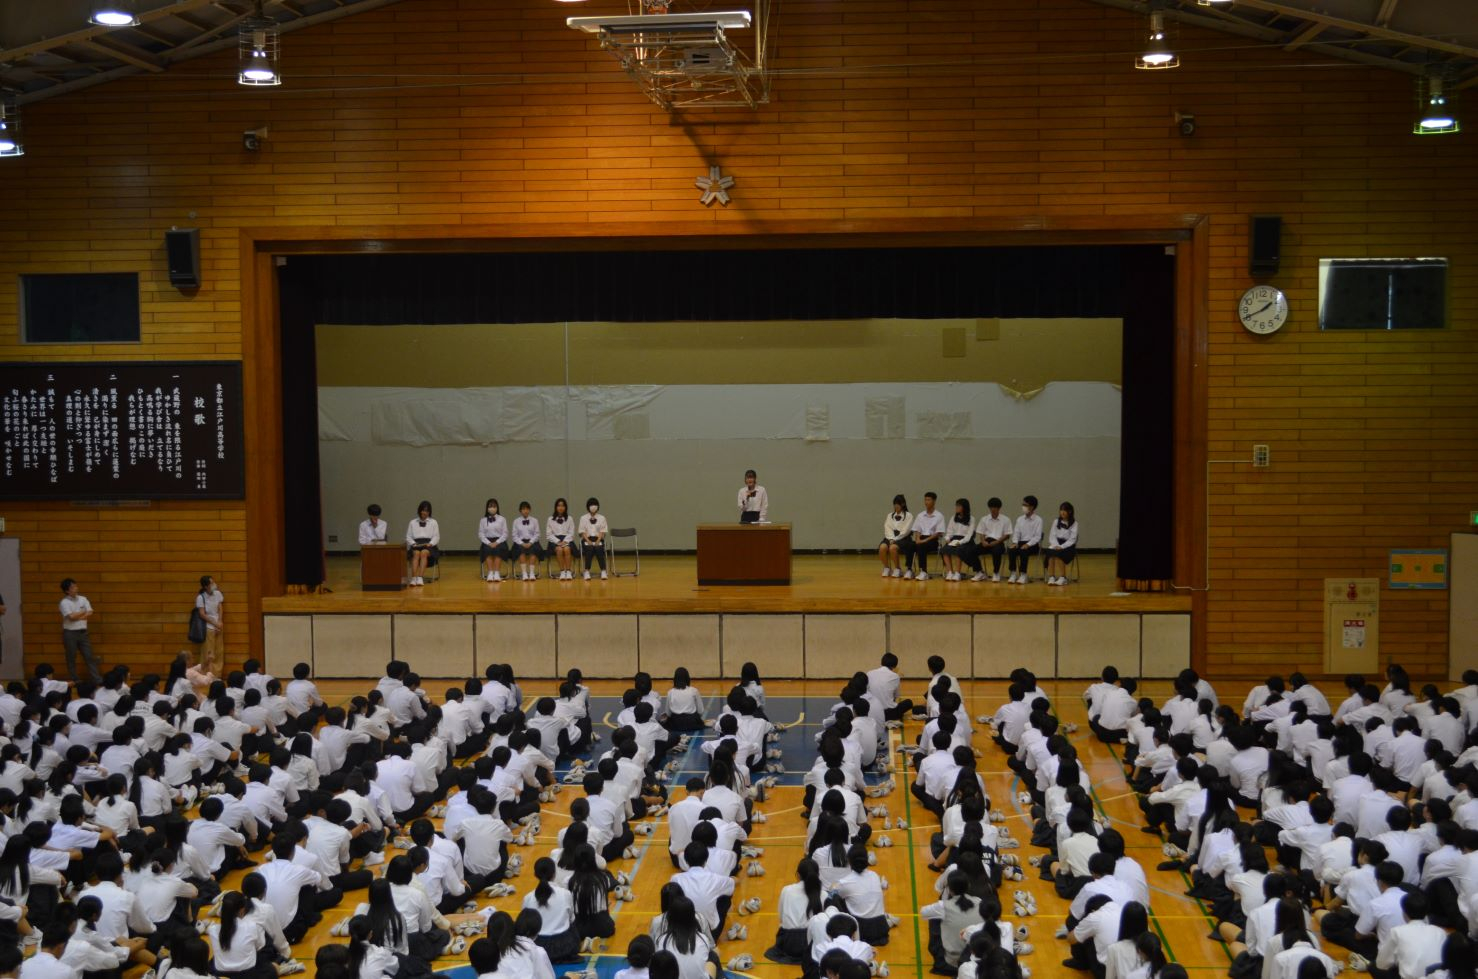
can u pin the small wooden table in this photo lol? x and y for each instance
(382, 567)
(744, 554)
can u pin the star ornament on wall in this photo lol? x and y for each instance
(715, 187)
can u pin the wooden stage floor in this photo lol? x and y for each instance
(1180, 921)
(668, 583)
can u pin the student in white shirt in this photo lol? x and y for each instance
(928, 528)
(422, 536)
(990, 538)
(593, 530)
(1026, 540)
(492, 541)
(754, 502)
(684, 704)
(1061, 545)
(897, 526)
(559, 534)
(208, 603)
(76, 610)
(957, 547)
(373, 530)
(236, 939)
(526, 543)
(1414, 947)
(556, 909)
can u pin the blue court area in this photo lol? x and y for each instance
(797, 741)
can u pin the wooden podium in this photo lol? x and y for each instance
(382, 567)
(744, 554)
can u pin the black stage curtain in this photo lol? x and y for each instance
(302, 525)
(1147, 444)
(1133, 282)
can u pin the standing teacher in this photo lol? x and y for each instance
(754, 502)
(76, 610)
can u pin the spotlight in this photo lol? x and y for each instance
(1435, 111)
(1157, 53)
(119, 13)
(10, 129)
(257, 52)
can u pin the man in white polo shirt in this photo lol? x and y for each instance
(76, 610)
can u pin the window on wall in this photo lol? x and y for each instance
(1382, 293)
(80, 308)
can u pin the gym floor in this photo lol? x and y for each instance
(1180, 920)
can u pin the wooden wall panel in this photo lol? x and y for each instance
(1371, 435)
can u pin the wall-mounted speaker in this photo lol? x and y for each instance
(182, 248)
(1265, 245)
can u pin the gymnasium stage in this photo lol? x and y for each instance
(837, 616)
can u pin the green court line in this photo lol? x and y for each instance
(1154, 918)
(913, 874)
(1210, 921)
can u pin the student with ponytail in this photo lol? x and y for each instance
(556, 908)
(798, 903)
(239, 942)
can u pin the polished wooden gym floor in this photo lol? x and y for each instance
(1179, 920)
(669, 583)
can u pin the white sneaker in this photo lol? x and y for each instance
(897, 573)
(586, 575)
(978, 576)
(603, 576)
(922, 576)
(374, 859)
(885, 572)
(1011, 580)
(996, 576)
(1023, 579)
(497, 577)
(908, 575)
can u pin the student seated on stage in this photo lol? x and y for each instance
(593, 530)
(1026, 541)
(373, 530)
(492, 541)
(422, 536)
(897, 531)
(991, 537)
(928, 529)
(525, 547)
(957, 546)
(559, 532)
(1060, 546)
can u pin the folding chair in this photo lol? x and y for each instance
(623, 532)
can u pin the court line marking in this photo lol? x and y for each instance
(913, 874)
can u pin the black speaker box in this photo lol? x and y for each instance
(182, 247)
(1264, 245)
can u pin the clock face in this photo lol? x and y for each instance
(1263, 310)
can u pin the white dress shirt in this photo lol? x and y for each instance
(1411, 949)
(1027, 530)
(557, 531)
(1062, 537)
(758, 503)
(997, 528)
(897, 526)
(525, 531)
(70, 606)
(429, 529)
(594, 527)
(372, 532)
(930, 523)
(492, 531)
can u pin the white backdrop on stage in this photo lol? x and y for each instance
(664, 458)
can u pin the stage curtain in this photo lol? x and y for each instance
(1146, 550)
(799, 284)
(302, 528)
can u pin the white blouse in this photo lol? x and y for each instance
(560, 530)
(492, 531)
(429, 529)
(593, 528)
(897, 526)
(1062, 537)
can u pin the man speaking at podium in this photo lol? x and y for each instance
(754, 503)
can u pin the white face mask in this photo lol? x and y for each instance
(592, 510)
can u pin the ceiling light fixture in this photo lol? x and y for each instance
(258, 48)
(1214, 3)
(10, 128)
(118, 13)
(1157, 53)
(1435, 112)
